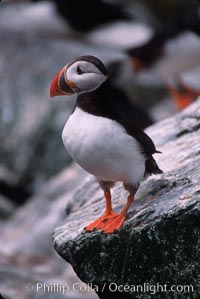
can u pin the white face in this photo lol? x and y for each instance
(85, 75)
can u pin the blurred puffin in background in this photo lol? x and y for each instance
(172, 50)
(101, 137)
(86, 15)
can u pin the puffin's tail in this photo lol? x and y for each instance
(151, 167)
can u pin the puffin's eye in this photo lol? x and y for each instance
(79, 70)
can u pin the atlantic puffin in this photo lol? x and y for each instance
(100, 136)
(145, 55)
(172, 49)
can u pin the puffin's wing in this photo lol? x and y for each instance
(125, 114)
(130, 111)
(128, 117)
(147, 145)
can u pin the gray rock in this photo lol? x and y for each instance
(29, 263)
(6, 207)
(159, 244)
(30, 124)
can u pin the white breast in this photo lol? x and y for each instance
(103, 148)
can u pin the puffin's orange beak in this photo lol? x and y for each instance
(59, 86)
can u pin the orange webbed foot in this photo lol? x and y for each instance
(113, 223)
(109, 222)
(100, 222)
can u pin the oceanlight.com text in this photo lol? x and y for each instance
(112, 287)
